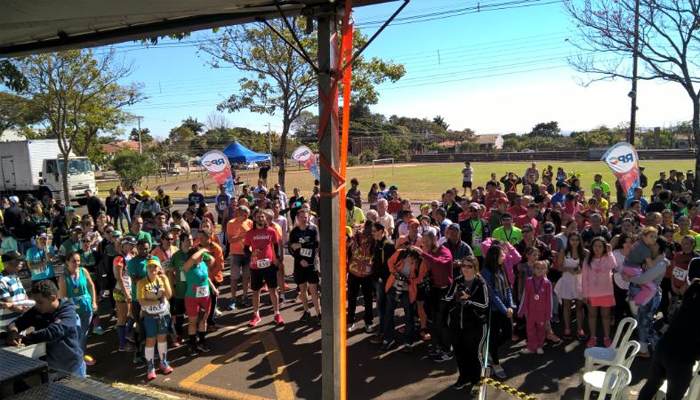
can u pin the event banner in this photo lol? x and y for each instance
(219, 168)
(623, 161)
(305, 156)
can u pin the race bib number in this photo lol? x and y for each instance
(158, 309)
(202, 291)
(132, 201)
(264, 263)
(476, 242)
(165, 265)
(42, 270)
(222, 206)
(182, 276)
(680, 274)
(306, 252)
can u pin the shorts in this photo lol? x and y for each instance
(268, 275)
(306, 275)
(467, 184)
(421, 294)
(194, 304)
(602, 301)
(240, 265)
(155, 326)
(118, 296)
(177, 307)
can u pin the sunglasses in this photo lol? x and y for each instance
(168, 238)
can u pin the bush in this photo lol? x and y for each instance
(367, 156)
(353, 161)
(132, 167)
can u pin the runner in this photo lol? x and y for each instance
(303, 244)
(197, 297)
(262, 245)
(236, 231)
(122, 291)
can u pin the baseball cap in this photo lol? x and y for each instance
(153, 261)
(129, 240)
(506, 216)
(12, 256)
(42, 236)
(69, 208)
(77, 228)
(176, 226)
(413, 222)
(453, 226)
(393, 187)
(14, 199)
(548, 228)
(145, 193)
(474, 206)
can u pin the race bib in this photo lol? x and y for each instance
(182, 276)
(306, 252)
(202, 291)
(158, 309)
(41, 270)
(222, 206)
(264, 263)
(165, 265)
(680, 274)
(476, 242)
(132, 201)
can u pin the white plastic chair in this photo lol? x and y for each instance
(593, 380)
(612, 382)
(597, 357)
(693, 392)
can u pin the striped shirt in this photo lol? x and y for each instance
(11, 289)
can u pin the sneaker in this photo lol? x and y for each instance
(515, 337)
(567, 334)
(231, 305)
(177, 341)
(202, 347)
(526, 351)
(305, 316)
(98, 331)
(165, 368)
(592, 341)
(555, 319)
(425, 335)
(351, 328)
(130, 337)
(245, 302)
(407, 348)
(217, 313)
(540, 351)
(499, 372)
(581, 336)
(475, 391)
(607, 342)
(318, 320)
(137, 358)
(278, 320)
(193, 352)
(255, 321)
(443, 356)
(369, 329)
(376, 339)
(89, 360)
(386, 344)
(644, 354)
(552, 337)
(127, 348)
(434, 351)
(460, 385)
(151, 372)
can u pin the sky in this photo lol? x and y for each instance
(499, 71)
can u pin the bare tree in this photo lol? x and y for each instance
(668, 50)
(217, 121)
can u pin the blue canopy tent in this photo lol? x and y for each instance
(237, 153)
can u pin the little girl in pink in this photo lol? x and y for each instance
(536, 306)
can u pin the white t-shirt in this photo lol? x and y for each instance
(467, 174)
(388, 221)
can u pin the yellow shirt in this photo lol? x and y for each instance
(677, 237)
(154, 290)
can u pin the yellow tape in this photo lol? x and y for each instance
(506, 389)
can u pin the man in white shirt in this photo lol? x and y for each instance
(385, 218)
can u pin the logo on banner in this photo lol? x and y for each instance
(305, 156)
(214, 161)
(622, 160)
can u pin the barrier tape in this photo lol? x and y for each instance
(506, 389)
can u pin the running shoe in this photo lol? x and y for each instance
(305, 316)
(127, 348)
(278, 320)
(540, 351)
(434, 351)
(369, 329)
(460, 385)
(526, 351)
(165, 368)
(193, 351)
(443, 356)
(607, 342)
(89, 360)
(318, 320)
(351, 327)
(202, 347)
(425, 335)
(499, 372)
(231, 305)
(151, 371)
(386, 344)
(581, 336)
(255, 321)
(137, 358)
(98, 331)
(592, 341)
(515, 337)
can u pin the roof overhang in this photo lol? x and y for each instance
(53, 25)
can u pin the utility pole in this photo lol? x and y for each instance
(633, 93)
(269, 142)
(138, 118)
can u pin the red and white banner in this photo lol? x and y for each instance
(219, 168)
(623, 161)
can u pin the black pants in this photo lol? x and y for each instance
(622, 307)
(665, 366)
(666, 293)
(469, 345)
(214, 298)
(439, 313)
(354, 285)
(501, 331)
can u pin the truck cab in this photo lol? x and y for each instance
(81, 177)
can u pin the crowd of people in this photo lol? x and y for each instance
(513, 259)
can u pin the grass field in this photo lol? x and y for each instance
(415, 181)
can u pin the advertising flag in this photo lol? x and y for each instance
(219, 168)
(305, 156)
(623, 161)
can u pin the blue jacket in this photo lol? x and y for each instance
(499, 301)
(59, 330)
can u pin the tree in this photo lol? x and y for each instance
(12, 77)
(180, 140)
(668, 49)
(77, 94)
(279, 81)
(217, 121)
(193, 125)
(132, 167)
(305, 127)
(17, 112)
(438, 120)
(545, 130)
(144, 137)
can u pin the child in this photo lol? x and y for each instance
(536, 307)
(632, 266)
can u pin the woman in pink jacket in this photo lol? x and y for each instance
(598, 288)
(513, 257)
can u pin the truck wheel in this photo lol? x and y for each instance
(45, 196)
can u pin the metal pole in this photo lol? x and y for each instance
(140, 149)
(329, 146)
(633, 92)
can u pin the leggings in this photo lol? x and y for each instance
(501, 331)
(354, 285)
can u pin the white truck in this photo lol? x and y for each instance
(35, 167)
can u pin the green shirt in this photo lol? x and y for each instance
(177, 264)
(144, 235)
(602, 185)
(137, 271)
(513, 235)
(69, 247)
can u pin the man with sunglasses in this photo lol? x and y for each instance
(475, 230)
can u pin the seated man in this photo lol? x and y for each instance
(54, 322)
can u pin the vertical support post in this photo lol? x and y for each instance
(332, 332)
(633, 92)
